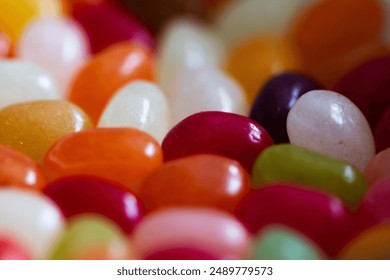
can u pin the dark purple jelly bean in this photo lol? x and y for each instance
(382, 132)
(275, 100)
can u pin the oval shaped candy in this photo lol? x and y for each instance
(140, 105)
(22, 81)
(123, 155)
(214, 232)
(33, 127)
(293, 164)
(330, 124)
(122, 63)
(378, 168)
(275, 100)
(32, 220)
(17, 169)
(5, 45)
(9, 250)
(85, 194)
(185, 253)
(322, 218)
(200, 180)
(225, 134)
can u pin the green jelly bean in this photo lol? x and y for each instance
(280, 243)
(288, 163)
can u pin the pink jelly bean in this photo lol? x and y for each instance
(321, 217)
(180, 254)
(225, 134)
(213, 232)
(10, 250)
(106, 24)
(4, 45)
(382, 132)
(85, 194)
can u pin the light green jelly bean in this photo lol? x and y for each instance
(280, 243)
(288, 163)
(91, 234)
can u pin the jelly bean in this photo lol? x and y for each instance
(4, 45)
(275, 100)
(378, 168)
(282, 243)
(330, 124)
(10, 250)
(256, 60)
(382, 132)
(241, 20)
(322, 218)
(328, 55)
(225, 134)
(214, 232)
(186, 44)
(180, 254)
(85, 194)
(18, 170)
(32, 220)
(368, 86)
(32, 127)
(201, 180)
(107, 24)
(91, 237)
(15, 15)
(140, 105)
(373, 244)
(23, 81)
(123, 155)
(62, 57)
(293, 164)
(205, 89)
(123, 63)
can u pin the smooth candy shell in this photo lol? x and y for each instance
(123, 155)
(211, 231)
(31, 219)
(33, 127)
(4, 45)
(22, 81)
(275, 100)
(140, 105)
(201, 180)
(9, 250)
(378, 168)
(187, 253)
(382, 132)
(293, 164)
(225, 134)
(330, 124)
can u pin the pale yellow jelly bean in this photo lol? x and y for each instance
(32, 127)
(31, 219)
(23, 81)
(140, 105)
(329, 123)
(186, 44)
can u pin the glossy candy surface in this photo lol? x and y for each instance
(276, 99)
(214, 232)
(124, 155)
(122, 63)
(378, 168)
(17, 169)
(330, 124)
(186, 253)
(9, 250)
(293, 164)
(33, 127)
(4, 45)
(225, 134)
(201, 180)
(321, 217)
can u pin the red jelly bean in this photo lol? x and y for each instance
(321, 217)
(382, 132)
(218, 133)
(9, 250)
(201, 180)
(84, 194)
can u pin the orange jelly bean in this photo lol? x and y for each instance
(378, 168)
(17, 169)
(201, 180)
(116, 66)
(373, 244)
(123, 155)
(256, 60)
(334, 36)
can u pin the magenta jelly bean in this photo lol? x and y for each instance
(10, 250)
(225, 134)
(181, 253)
(321, 217)
(86, 194)
(382, 132)
(107, 23)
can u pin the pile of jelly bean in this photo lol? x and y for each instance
(254, 129)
